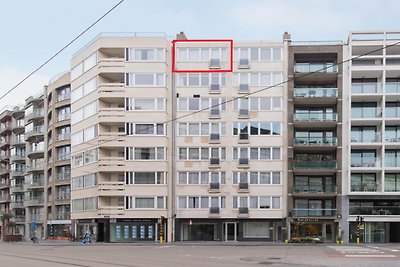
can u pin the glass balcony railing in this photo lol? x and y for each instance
(375, 210)
(315, 92)
(315, 116)
(315, 67)
(364, 88)
(364, 187)
(314, 165)
(392, 162)
(365, 138)
(315, 141)
(313, 212)
(310, 189)
(364, 163)
(392, 87)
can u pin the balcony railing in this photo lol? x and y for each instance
(375, 210)
(35, 130)
(311, 189)
(364, 187)
(364, 88)
(392, 87)
(315, 116)
(62, 117)
(365, 163)
(315, 92)
(33, 202)
(63, 175)
(63, 216)
(35, 114)
(314, 165)
(367, 139)
(64, 96)
(313, 212)
(315, 67)
(64, 136)
(315, 141)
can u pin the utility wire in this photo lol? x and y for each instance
(62, 49)
(252, 93)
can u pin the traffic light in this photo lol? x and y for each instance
(361, 220)
(358, 220)
(162, 219)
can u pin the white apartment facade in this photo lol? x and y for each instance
(372, 145)
(203, 148)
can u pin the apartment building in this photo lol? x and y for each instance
(372, 141)
(315, 141)
(5, 143)
(17, 171)
(34, 199)
(202, 148)
(58, 150)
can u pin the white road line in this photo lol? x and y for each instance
(371, 256)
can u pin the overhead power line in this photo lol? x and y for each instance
(62, 49)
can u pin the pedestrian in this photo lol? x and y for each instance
(34, 240)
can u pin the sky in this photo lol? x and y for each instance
(33, 31)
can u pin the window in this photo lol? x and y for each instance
(200, 79)
(145, 153)
(257, 178)
(257, 153)
(392, 109)
(145, 128)
(201, 202)
(392, 182)
(145, 178)
(363, 158)
(84, 66)
(392, 158)
(201, 54)
(85, 135)
(201, 129)
(145, 54)
(258, 53)
(257, 128)
(196, 104)
(145, 79)
(363, 182)
(63, 152)
(145, 104)
(132, 203)
(201, 153)
(365, 110)
(84, 204)
(201, 177)
(84, 112)
(258, 103)
(84, 89)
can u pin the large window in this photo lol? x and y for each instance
(204, 103)
(392, 133)
(145, 153)
(257, 78)
(258, 103)
(85, 135)
(257, 153)
(392, 158)
(363, 158)
(363, 182)
(203, 54)
(84, 112)
(84, 66)
(257, 178)
(201, 153)
(201, 129)
(63, 152)
(145, 54)
(258, 53)
(364, 110)
(392, 182)
(145, 178)
(257, 128)
(256, 202)
(84, 204)
(86, 157)
(200, 79)
(85, 181)
(84, 89)
(392, 110)
(145, 128)
(145, 104)
(201, 177)
(364, 134)
(132, 203)
(201, 202)
(145, 79)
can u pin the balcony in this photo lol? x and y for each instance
(63, 216)
(310, 95)
(315, 166)
(4, 184)
(364, 187)
(315, 141)
(36, 114)
(110, 188)
(36, 184)
(16, 205)
(33, 202)
(111, 164)
(5, 198)
(63, 176)
(4, 170)
(18, 126)
(111, 211)
(19, 141)
(62, 97)
(37, 217)
(375, 210)
(392, 87)
(315, 117)
(37, 130)
(36, 167)
(314, 212)
(18, 188)
(35, 151)
(111, 114)
(5, 156)
(63, 117)
(18, 219)
(364, 88)
(365, 162)
(111, 90)
(63, 136)
(315, 67)
(18, 172)
(314, 189)
(5, 142)
(5, 127)
(18, 157)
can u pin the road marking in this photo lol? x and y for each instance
(370, 256)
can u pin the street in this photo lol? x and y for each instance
(64, 253)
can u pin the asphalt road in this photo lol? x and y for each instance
(64, 253)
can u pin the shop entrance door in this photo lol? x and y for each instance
(230, 231)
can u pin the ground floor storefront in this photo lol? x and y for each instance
(59, 229)
(325, 230)
(375, 232)
(228, 230)
(121, 230)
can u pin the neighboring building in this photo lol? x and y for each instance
(18, 168)
(372, 144)
(138, 152)
(34, 200)
(5, 143)
(58, 149)
(315, 140)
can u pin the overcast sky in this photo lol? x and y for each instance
(32, 31)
